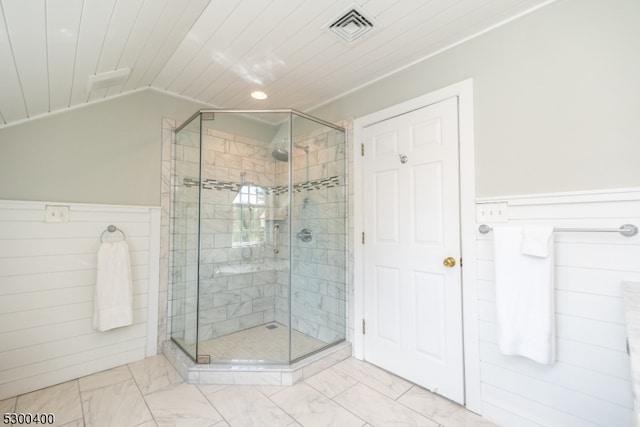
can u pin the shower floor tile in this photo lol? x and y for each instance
(268, 342)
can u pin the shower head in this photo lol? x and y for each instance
(280, 154)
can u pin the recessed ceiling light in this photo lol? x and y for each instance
(258, 94)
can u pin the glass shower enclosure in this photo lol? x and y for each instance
(258, 236)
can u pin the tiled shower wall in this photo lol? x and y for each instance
(237, 285)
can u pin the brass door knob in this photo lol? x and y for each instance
(449, 262)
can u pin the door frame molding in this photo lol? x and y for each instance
(464, 91)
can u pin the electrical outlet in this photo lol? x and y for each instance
(492, 212)
(53, 213)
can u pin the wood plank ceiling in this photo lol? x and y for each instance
(219, 51)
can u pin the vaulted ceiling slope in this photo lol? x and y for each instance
(57, 54)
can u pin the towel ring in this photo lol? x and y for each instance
(112, 229)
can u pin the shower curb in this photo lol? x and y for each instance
(252, 374)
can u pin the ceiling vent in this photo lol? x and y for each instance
(352, 25)
(107, 79)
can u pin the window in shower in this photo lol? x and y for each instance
(249, 216)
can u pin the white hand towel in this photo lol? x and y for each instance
(524, 298)
(113, 306)
(536, 240)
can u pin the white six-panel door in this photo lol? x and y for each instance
(412, 301)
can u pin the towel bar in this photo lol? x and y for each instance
(112, 229)
(627, 230)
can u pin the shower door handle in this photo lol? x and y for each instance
(276, 239)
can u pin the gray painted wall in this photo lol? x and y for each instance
(108, 152)
(557, 98)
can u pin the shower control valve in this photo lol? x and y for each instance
(305, 235)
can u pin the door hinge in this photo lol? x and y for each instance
(363, 237)
(460, 262)
(361, 149)
(364, 327)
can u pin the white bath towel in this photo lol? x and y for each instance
(524, 298)
(537, 240)
(631, 298)
(113, 306)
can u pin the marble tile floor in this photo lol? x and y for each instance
(151, 393)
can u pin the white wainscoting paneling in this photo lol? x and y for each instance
(590, 383)
(47, 280)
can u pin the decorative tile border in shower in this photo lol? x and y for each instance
(316, 184)
(215, 184)
(211, 184)
(190, 182)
